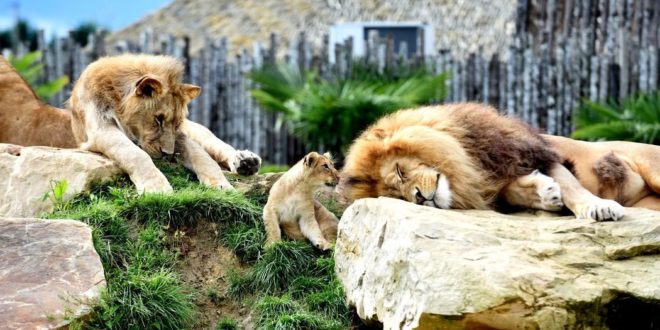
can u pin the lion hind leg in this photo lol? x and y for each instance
(582, 202)
(649, 202)
(535, 190)
(327, 221)
(311, 230)
(272, 226)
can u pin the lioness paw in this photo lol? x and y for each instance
(215, 182)
(246, 162)
(600, 210)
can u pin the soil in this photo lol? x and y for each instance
(204, 266)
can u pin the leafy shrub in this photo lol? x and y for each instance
(635, 118)
(30, 67)
(331, 113)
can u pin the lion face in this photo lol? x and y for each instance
(320, 170)
(157, 112)
(419, 184)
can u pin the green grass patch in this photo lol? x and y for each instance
(273, 168)
(133, 235)
(227, 323)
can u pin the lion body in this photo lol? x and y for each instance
(291, 206)
(479, 151)
(626, 172)
(129, 108)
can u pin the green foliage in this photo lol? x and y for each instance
(132, 234)
(330, 113)
(22, 32)
(29, 67)
(226, 323)
(636, 118)
(56, 193)
(273, 168)
(81, 32)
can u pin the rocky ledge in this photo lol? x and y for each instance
(414, 267)
(49, 273)
(28, 173)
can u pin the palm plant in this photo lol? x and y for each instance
(30, 67)
(330, 113)
(635, 118)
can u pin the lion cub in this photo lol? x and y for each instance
(291, 204)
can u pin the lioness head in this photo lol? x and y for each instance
(418, 183)
(154, 112)
(319, 170)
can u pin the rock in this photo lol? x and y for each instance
(28, 173)
(410, 266)
(49, 272)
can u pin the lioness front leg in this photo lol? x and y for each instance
(535, 190)
(197, 160)
(243, 162)
(115, 145)
(311, 230)
(580, 201)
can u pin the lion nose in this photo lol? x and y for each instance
(419, 197)
(167, 151)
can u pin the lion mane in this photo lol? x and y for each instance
(478, 150)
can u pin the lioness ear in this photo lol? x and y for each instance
(148, 86)
(190, 91)
(310, 159)
(399, 172)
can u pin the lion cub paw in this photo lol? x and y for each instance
(600, 210)
(246, 162)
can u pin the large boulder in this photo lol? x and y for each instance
(410, 266)
(49, 273)
(28, 173)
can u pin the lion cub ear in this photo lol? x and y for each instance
(328, 155)
(148, 86)
(310, 159)
(190, 92)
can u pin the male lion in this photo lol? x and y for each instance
(130, 108)
(461, 156)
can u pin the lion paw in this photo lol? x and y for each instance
(550, 196)
(154, 186)
(246, 162)
(323, 245)
(600, 210)
(219, 183)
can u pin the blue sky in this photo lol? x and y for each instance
(58, 17)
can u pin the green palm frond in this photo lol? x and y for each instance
(29, 66)
(636, 118)
(332, 112)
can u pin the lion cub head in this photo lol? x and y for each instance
(319, 170)
(415, 182)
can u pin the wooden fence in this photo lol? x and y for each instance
(561, 51)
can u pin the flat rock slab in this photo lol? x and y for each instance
(49, 272)
(410, 266)
(28, 173)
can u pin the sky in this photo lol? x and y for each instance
(57, 17)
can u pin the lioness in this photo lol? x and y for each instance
(291, 204)
(462, 156)
(132, 108)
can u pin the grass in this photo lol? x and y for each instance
(133, 233)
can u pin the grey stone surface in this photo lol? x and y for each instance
(411, 266)
(49, 272)
(29, 172)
